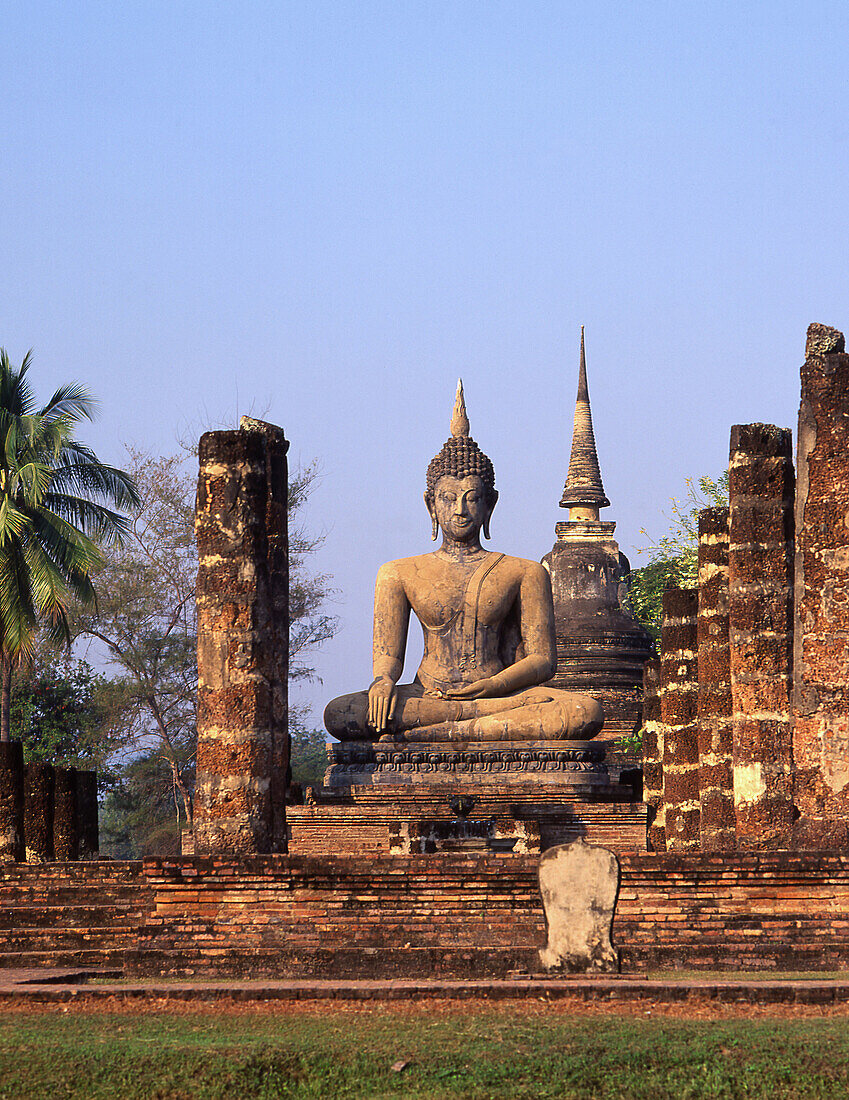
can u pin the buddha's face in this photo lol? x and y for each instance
(460, 507)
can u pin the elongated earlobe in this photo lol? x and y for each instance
(434, 522)
(489, 515)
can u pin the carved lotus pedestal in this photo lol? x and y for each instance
(519, 797)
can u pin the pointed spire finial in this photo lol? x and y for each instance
(583, 488)
(459, 420)
(583, 389)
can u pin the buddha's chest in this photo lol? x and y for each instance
(451, 598)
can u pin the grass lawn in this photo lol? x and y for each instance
(508, 1050)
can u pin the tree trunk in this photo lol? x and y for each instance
(6, 696)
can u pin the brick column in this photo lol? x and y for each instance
(242, 736)
(678, 706)
(65, 820)
(87, 814)
(760, 577)
(38, 812)
(821, 641)
(716, 775)
(11, 802)
(277, 559)
(653, 757)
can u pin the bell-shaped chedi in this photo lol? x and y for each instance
(601, 648)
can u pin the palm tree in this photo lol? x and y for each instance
(56, 508)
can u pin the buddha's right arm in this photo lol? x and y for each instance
(391, 620)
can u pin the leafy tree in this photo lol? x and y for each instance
(65, 713)
(56, 507)
(138, 816)
(145, 620)
(674, 558)
(309, 757)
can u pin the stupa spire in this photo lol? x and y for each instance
(583, 489)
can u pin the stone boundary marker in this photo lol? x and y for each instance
(579, 883)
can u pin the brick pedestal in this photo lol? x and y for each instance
(678, 706)
(716, 776)
(821, 652)
(760, 573)
(242, 665)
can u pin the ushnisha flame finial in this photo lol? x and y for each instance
(459, 419)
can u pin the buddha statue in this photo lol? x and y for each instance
(488, 624)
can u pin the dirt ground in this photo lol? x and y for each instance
(528, 1007)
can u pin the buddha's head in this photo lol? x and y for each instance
(460, 492)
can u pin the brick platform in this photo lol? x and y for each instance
(416, 916)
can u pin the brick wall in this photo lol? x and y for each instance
(451, 915)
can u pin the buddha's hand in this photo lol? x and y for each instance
(480, 689)
(381, 703)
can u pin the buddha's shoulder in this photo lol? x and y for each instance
(525, 567)
(404, 567)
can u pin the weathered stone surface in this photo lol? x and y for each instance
(678, 692)
(488, 622)
(243, 640)
(38, 812)
(653, 757)
(760, 577)
(821, 642)
(579, 883)
(716, 775)
(65, 817)
(11, 802)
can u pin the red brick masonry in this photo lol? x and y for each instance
(414, 916)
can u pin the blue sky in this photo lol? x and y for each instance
(329, 211)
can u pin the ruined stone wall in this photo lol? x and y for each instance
(678, 713)
(821, 642)
(242, 597)
(715, 727)
(760, 579)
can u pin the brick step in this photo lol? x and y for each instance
(729, 954)
(73, 895)
(352, 962)
(68, 939)
(85, 874)
(15, 917)
(87, 958)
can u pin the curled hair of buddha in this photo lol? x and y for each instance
(460, 456)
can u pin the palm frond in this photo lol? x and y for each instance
(96, 479)
(72, 402)
(93, 519)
